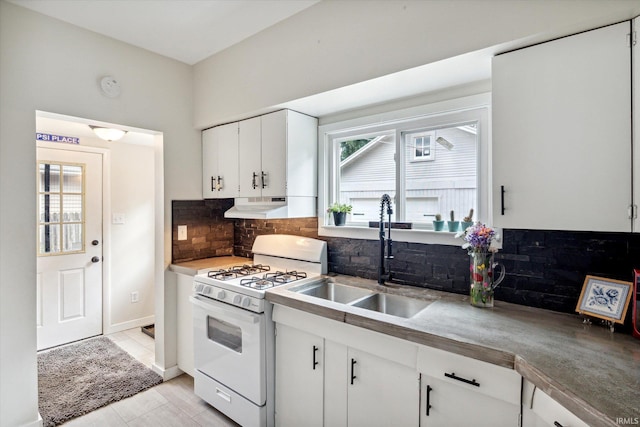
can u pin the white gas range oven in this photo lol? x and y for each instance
(233, 331)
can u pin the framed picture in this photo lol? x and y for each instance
(604, 298)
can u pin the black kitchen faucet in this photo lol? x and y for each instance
(385, 274)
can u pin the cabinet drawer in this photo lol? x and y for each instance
(481, 377)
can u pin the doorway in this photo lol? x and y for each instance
(131, 250)
(70, 242)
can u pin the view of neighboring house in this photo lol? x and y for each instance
(439, 174)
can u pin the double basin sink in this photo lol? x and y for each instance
(394, 305)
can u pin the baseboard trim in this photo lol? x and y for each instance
(136, 323)
(168, 373)
(38, 423)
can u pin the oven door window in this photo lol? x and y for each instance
(225, 334)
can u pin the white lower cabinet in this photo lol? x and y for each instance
(184, 324)
(380, 392)
(299, 378)
(458, 390)
(332, 374)
(540, 410)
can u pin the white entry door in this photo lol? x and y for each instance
(69, 279)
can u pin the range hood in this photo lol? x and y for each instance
(272, 207)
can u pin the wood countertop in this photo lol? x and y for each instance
(199, 266)
(590, 371)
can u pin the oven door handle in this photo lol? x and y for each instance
(228, 311)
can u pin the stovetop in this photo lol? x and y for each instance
(239, 285)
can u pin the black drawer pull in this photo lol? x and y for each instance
(428, 405)
(502, 199)
(557, 424)
(353, 377)
(315, 362)
(453, 376)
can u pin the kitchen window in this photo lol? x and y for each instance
(429, 164)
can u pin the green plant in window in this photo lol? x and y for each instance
(339, 207)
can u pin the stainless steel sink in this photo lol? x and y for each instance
(394, 305)
(333, 292)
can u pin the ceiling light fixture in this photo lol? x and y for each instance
(108, 134)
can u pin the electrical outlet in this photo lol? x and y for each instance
(135, 296)
(182, 232)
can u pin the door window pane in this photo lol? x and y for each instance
(49, 178)
(72, 178)
(60, 208)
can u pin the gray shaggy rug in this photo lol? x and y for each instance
(80, 378)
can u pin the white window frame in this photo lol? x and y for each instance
(466, 109)
(432, 147)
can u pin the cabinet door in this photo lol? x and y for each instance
(299, 378)
(380, 392)
(209, 163)
(250, 158)
(184, 322)
(227, 136)
(445, 404)
(562, 134)
(540, 410)
(274, 153)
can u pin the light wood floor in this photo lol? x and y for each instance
(170, 404)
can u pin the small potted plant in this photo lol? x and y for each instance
(467, 221)
(438, 223)
(339, 212)
(452, 223)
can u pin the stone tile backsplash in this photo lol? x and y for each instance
(246, 231)
(209, 233)
(544, 269)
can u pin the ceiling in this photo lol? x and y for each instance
(186, 30)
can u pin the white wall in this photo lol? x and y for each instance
(52, 66)
(338, 43)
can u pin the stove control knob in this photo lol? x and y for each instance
(222, 294)
(246, 302)
(237, 299)
(207, 290)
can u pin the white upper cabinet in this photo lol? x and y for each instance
(562, 133)
(250, 166)
(220, 162)
(278, 155)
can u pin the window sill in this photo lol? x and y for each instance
(398, 235)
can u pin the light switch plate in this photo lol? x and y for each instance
(117, 218)
(182, 232)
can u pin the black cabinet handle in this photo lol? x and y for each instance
(254, 184)
(219, 184)
(263, 177)
(95, 259)
(315, 362)
(353, 377)
(213, 185)
(502, 199)
(557, 424)
(428, 405)
(452, 375)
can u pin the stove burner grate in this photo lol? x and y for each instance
(286, 276)
(222, 274)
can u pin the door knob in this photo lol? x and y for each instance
(95, 259)
(94, 242)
